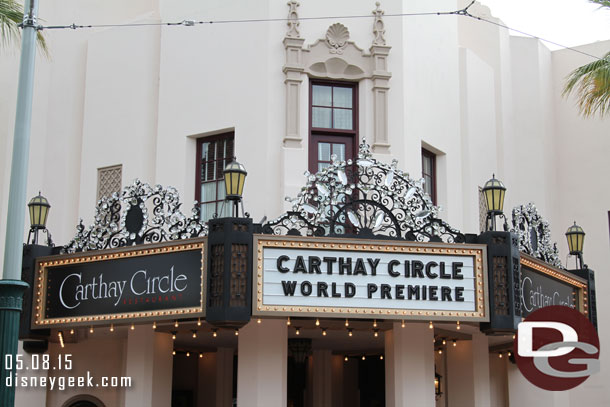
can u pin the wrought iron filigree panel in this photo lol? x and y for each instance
(534, 234)
(139, 214)
(363, 198)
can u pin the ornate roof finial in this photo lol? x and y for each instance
(378, 26)
(293, 20)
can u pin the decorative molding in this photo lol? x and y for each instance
(11, 295)
(534, 234)
(378, 26)
(336, 57)
(293, 20)
(364, 198)
(140, 214)
(337, 37)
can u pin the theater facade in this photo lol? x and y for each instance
(379, 201)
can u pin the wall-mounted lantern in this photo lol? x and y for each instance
(437, 385)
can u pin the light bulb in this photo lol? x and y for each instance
(194, 334)
(431, 325)
(440, 351)
(297, 331)
(376, 333)
(346, 358)
(402, 324)
(133, 327)
(154, 325)
(258, 321)
(317, 322)
(236, 332)
(457, 325)
(111, 328)
(200, 355)
(198, 321)
(374, 323)
(454, 342)
(176, 324)
(215, 333)
(444, 341)
(71, 331)
(323, 332)
(363, 357)
(288, 321)
(91, 330)
(188, 354)
(346, 322)
(174, 352)
(349, 332)
(380, 357)
(500, 355)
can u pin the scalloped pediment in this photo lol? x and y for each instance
(336, 68)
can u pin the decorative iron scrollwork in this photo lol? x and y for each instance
(141, 214)
(534, 234)
(363, 198)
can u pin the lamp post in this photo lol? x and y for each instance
(11, 286)
(494, 191)
(39, 212)
(576, 240)
(235, 178)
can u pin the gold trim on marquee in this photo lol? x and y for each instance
(45, 263)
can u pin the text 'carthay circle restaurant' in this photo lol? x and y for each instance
(424, 158)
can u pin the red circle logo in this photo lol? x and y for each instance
(556, 348)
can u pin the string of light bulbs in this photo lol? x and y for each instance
(191, 23)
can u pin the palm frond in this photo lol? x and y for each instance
(601, 3)
(591, 84)
(11, 15)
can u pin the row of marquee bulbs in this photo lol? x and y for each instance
(259, 320)
(346, 358)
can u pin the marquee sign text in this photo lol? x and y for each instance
(152, 281)
(390, 279)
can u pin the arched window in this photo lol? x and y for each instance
(84, 400)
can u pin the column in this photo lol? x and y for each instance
(262, 364)
(293, 70)
(149, 364)
(460, 376)
(206, 380)
(381, 78)
(224, 377)
(322, 378)
(30, 396)
(337, 380)
(409, 365)
(480, 367)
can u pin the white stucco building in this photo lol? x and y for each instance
(462, 95)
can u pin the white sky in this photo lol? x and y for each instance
(567, 22)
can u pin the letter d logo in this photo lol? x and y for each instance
(526, 335)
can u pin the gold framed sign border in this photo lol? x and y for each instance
(562, 275)
(478, 251)
(45, 264)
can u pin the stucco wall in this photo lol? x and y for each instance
(483, 100)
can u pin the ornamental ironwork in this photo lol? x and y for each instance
(363, 198)
(140, 214)
(534, 234)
